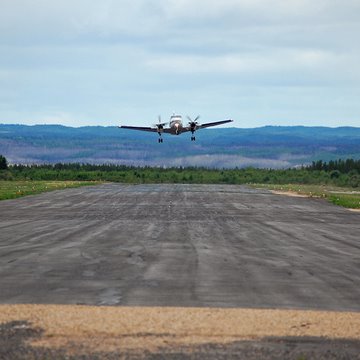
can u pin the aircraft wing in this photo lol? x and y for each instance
(144, 128)
(141, 128)
(202, 126)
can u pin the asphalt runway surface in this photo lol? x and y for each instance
(178, 249)
(179, 245)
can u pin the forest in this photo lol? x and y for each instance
(342, 173)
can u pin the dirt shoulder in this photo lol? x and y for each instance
(90, 328)
(289, 193)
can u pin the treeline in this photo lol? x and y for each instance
(192, 175)
(343, 166)
(3, 163)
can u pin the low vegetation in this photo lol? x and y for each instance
(18, 188)
(338, 181)
(346, 197)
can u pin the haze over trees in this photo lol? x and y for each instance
(267, 147)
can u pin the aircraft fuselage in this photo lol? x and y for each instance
(175, 124)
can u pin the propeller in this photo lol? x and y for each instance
(193, 123)
(160, 125)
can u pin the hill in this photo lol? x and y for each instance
(270, 146)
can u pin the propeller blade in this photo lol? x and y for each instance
(193, 121)
(160, 124)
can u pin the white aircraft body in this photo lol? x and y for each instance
(176, 126)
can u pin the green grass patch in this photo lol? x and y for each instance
(16, 189)
(341, 196)
(351, 201)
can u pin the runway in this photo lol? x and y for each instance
(179, 245)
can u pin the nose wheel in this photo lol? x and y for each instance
(160, 140)
(193, 138)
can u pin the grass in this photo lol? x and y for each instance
(345, 197)
(16, 189)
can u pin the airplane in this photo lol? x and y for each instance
(176, 126)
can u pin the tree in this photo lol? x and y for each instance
(3, 163)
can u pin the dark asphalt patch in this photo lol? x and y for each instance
(15, 340)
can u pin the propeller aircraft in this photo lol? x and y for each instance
(176, 126)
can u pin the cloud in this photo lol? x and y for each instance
(64, 20)
(278, 60)
(96, 59)
(280, 66)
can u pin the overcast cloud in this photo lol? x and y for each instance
(108, 62)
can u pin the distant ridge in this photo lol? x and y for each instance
(268, 146)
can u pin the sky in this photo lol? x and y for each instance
(125, 62)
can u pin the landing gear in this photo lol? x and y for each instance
(160, 129)
(193, 138)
